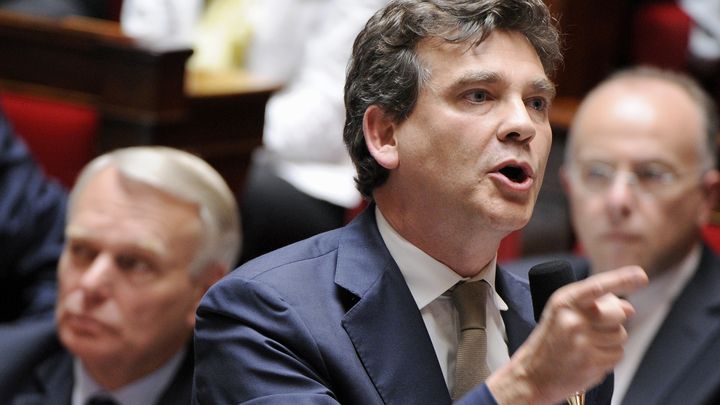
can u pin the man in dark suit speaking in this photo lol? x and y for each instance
(149, 230)
(447, 124)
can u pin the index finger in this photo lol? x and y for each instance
(622, 281)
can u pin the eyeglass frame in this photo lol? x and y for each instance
(634, 179)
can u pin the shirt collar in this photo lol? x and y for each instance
(665, 286)
(426, 277)
(146, 390)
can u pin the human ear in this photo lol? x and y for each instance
(379, 131)
(711, 193)
(209, 276)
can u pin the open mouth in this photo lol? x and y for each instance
(516, 174)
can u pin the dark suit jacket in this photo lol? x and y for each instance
(32, 222)
(36, 370)
(682, 363)
(24, 346)
(330, 320)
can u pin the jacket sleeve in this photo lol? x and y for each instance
(32, 221)
(599, 395)
(252, 347)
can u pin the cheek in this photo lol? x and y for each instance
(67, 278)
(677, 214)
(160, 306)
(542, 142)
(586, 210)
(142, 310)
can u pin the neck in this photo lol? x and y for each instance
(464, 248)
(112, 374)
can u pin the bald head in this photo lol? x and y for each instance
(639, 170)
(646, 99)
(648, 103)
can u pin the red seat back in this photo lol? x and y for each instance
(60, 135)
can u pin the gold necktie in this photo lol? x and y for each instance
(471, 366)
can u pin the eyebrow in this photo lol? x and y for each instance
(475, 76)
(153, 247)
(544, 85)
(539, 85)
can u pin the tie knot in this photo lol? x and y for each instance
(101, 400)
(469, 299)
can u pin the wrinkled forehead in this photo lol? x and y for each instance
(502, 56)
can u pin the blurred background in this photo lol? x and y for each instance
(78, 78)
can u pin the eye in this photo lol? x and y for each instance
(597, 173)
(654, 174)
(133, 264)
(81, 252)
(477, 96)
(539, 103)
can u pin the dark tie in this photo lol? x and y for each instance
(101, 400)
(471, 366)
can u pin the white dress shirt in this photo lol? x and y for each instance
(428, 280)
(146, 390)
(652, 305)
(303, 134)
(704, 35)
(170, 20)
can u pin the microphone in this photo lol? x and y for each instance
(544, 279)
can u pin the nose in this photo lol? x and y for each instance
(517, 126)
(96, 280)
(620, 196)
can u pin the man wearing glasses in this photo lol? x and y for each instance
(640, 174)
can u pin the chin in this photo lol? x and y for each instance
(616, 262)
(518, 215)
(94, 353)
(510, 222)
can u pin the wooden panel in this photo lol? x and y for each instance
(595, 41)
(141, 89)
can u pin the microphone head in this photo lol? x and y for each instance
(544, 279)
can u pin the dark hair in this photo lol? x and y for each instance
(385, 70)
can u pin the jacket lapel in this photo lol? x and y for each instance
(180, 389)
(518, 318)
(685, 336)
(385, 325)
(51, 384)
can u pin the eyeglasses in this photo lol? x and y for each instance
(653, 179)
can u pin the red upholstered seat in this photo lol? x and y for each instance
(711, 234)
(510, 247)
(60, 135)
(660, 35)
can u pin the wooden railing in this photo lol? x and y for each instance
(141, 90)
